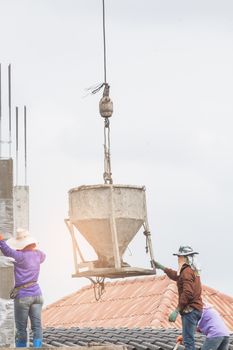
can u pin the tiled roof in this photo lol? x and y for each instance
(132, 338)
(140, 302)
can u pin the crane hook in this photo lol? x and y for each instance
(105, 104)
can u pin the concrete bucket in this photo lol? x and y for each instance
(108, 217)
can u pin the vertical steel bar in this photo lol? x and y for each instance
(9, 106)
(0, 111)
(17, 142)
(25, 143)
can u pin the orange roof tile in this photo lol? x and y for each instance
(140, 302)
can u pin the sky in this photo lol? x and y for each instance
(170, 68)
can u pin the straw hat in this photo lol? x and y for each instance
(21, 240)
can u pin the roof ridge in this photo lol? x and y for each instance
(215, 291)
(55, 303)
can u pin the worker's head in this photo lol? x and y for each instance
(22, 240)
(186, 255)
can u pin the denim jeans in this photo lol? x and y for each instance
(216, 343)
(28, 307)
(189, 325)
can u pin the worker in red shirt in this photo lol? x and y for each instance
(190, 303)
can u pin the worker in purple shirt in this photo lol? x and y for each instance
(27, 294)
(213, 327)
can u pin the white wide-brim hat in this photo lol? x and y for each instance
(185, 250)
(21, 240)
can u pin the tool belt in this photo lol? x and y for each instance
(15, 290)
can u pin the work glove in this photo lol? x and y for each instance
(157, 265)
(179, 339)
(1, 236)
(173, 315)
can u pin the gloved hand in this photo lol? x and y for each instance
(173, 315)
(1, 236)
(179, 339)
(157, 265)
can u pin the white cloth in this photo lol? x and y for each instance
(6, 261)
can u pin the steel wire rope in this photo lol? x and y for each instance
(107, 160)
(98, 284)
(104, 42)
(96, 88)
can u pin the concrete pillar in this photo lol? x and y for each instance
(6, 197)
(7, 328)
(6, 223)
(21, 207)
(6, 277)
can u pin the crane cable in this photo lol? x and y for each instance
(96, 88)
(105, 107)
(104, 42)
(106, 110)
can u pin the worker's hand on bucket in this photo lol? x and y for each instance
(179, 339)
(173, 315)
(157, 265)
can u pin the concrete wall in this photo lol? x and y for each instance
(6, 197)
(6, 277)
(21, 207)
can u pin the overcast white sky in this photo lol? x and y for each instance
(170, 67)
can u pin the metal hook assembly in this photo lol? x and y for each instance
(106, 110)
(105, 104)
